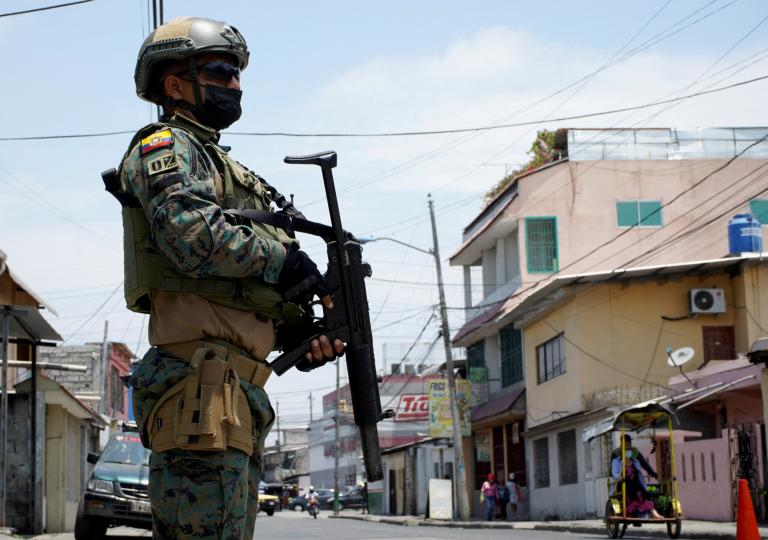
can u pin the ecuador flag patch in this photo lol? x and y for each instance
(159, 139)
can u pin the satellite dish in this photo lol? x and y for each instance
(679, 357)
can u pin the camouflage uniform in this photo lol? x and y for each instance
(189, 229)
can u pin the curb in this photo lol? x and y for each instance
(425, 522)
(653, 531)
(648, 531)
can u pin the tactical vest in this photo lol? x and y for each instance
(147, 269)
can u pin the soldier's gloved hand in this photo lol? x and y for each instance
(322, 351)
(300, 280)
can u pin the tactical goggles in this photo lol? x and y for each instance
(218, 71)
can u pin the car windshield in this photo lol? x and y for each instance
(125, 448)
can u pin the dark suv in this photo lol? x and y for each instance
(116, 492)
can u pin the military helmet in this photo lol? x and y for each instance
(183, 38)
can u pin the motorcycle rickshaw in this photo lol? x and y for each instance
(648, 416)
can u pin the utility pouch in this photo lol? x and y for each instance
(205, 411)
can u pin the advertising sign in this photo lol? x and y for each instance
(440, 424)
(412, 407)
(478, 379)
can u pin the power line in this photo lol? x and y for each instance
(600, 360)
(669, 241)
(418, 133)
(519, 293)
(44, 8)
(500, 126)
(94, 313)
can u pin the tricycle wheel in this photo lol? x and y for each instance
(612, 526)
(623, 530)
(673, 528)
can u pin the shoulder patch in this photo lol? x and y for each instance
(158, 139)
(163, 163)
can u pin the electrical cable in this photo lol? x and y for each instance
(94, 313)
(423, 132)
(408, 317)
(550, 277)
(711, 66)
(601, 361)
(488, 127)
(675, 238)
(46, 8)
(415, 369)
(50, 207)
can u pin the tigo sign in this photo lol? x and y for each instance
(412, 407)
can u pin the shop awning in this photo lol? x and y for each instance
(493, 407)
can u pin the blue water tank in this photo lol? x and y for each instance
(745, 235)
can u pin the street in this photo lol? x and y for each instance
(302, 526)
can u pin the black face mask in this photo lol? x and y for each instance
(221, 107)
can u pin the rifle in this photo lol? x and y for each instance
(348, 320)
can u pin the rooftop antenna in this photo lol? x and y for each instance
(678, 358)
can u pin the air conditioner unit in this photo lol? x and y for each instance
(706, 301)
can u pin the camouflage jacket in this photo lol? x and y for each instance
(176, 172)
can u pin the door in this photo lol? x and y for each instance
(392, 492)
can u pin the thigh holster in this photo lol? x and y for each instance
(206, 411)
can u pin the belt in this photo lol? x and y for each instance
(246, 366)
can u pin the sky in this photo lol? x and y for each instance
(347, 67)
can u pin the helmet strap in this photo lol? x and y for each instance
(192, 69)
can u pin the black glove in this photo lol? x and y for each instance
(300, 279)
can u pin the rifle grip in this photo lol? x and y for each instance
(288, 359)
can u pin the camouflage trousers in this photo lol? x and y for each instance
(199, 495)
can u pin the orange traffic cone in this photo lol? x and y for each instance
(746, 523)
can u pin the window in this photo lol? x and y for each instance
(566, 457)
(550, 357)
(541, 463)
(511, 348)
(476, 355)
(719, 343)
(759, 210)
(541, 244)
(638, 213)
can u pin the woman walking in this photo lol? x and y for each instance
(489, 494)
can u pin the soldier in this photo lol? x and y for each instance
(215, 286)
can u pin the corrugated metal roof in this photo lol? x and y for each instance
(630, 274)
(29, 324)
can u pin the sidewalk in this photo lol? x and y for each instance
(691, 529)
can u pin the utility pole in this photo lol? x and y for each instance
(7, 311)
(337, 446)
(104, 363)
(459, 469)
(310, 407)
(277, 419)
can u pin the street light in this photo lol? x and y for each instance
(458, 449)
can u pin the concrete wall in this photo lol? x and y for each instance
(89, 384)
(583, 195)
(705, 491)
(20, 466)
(556, 501)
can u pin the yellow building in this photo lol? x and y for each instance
(592, 341)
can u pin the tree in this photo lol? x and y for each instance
(541, 152)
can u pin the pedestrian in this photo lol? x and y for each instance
(513, 490)
(488, 495)
(501, 498)
(216, 286)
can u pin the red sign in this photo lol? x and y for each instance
(412, 407)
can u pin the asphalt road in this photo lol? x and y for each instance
(301, 526)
